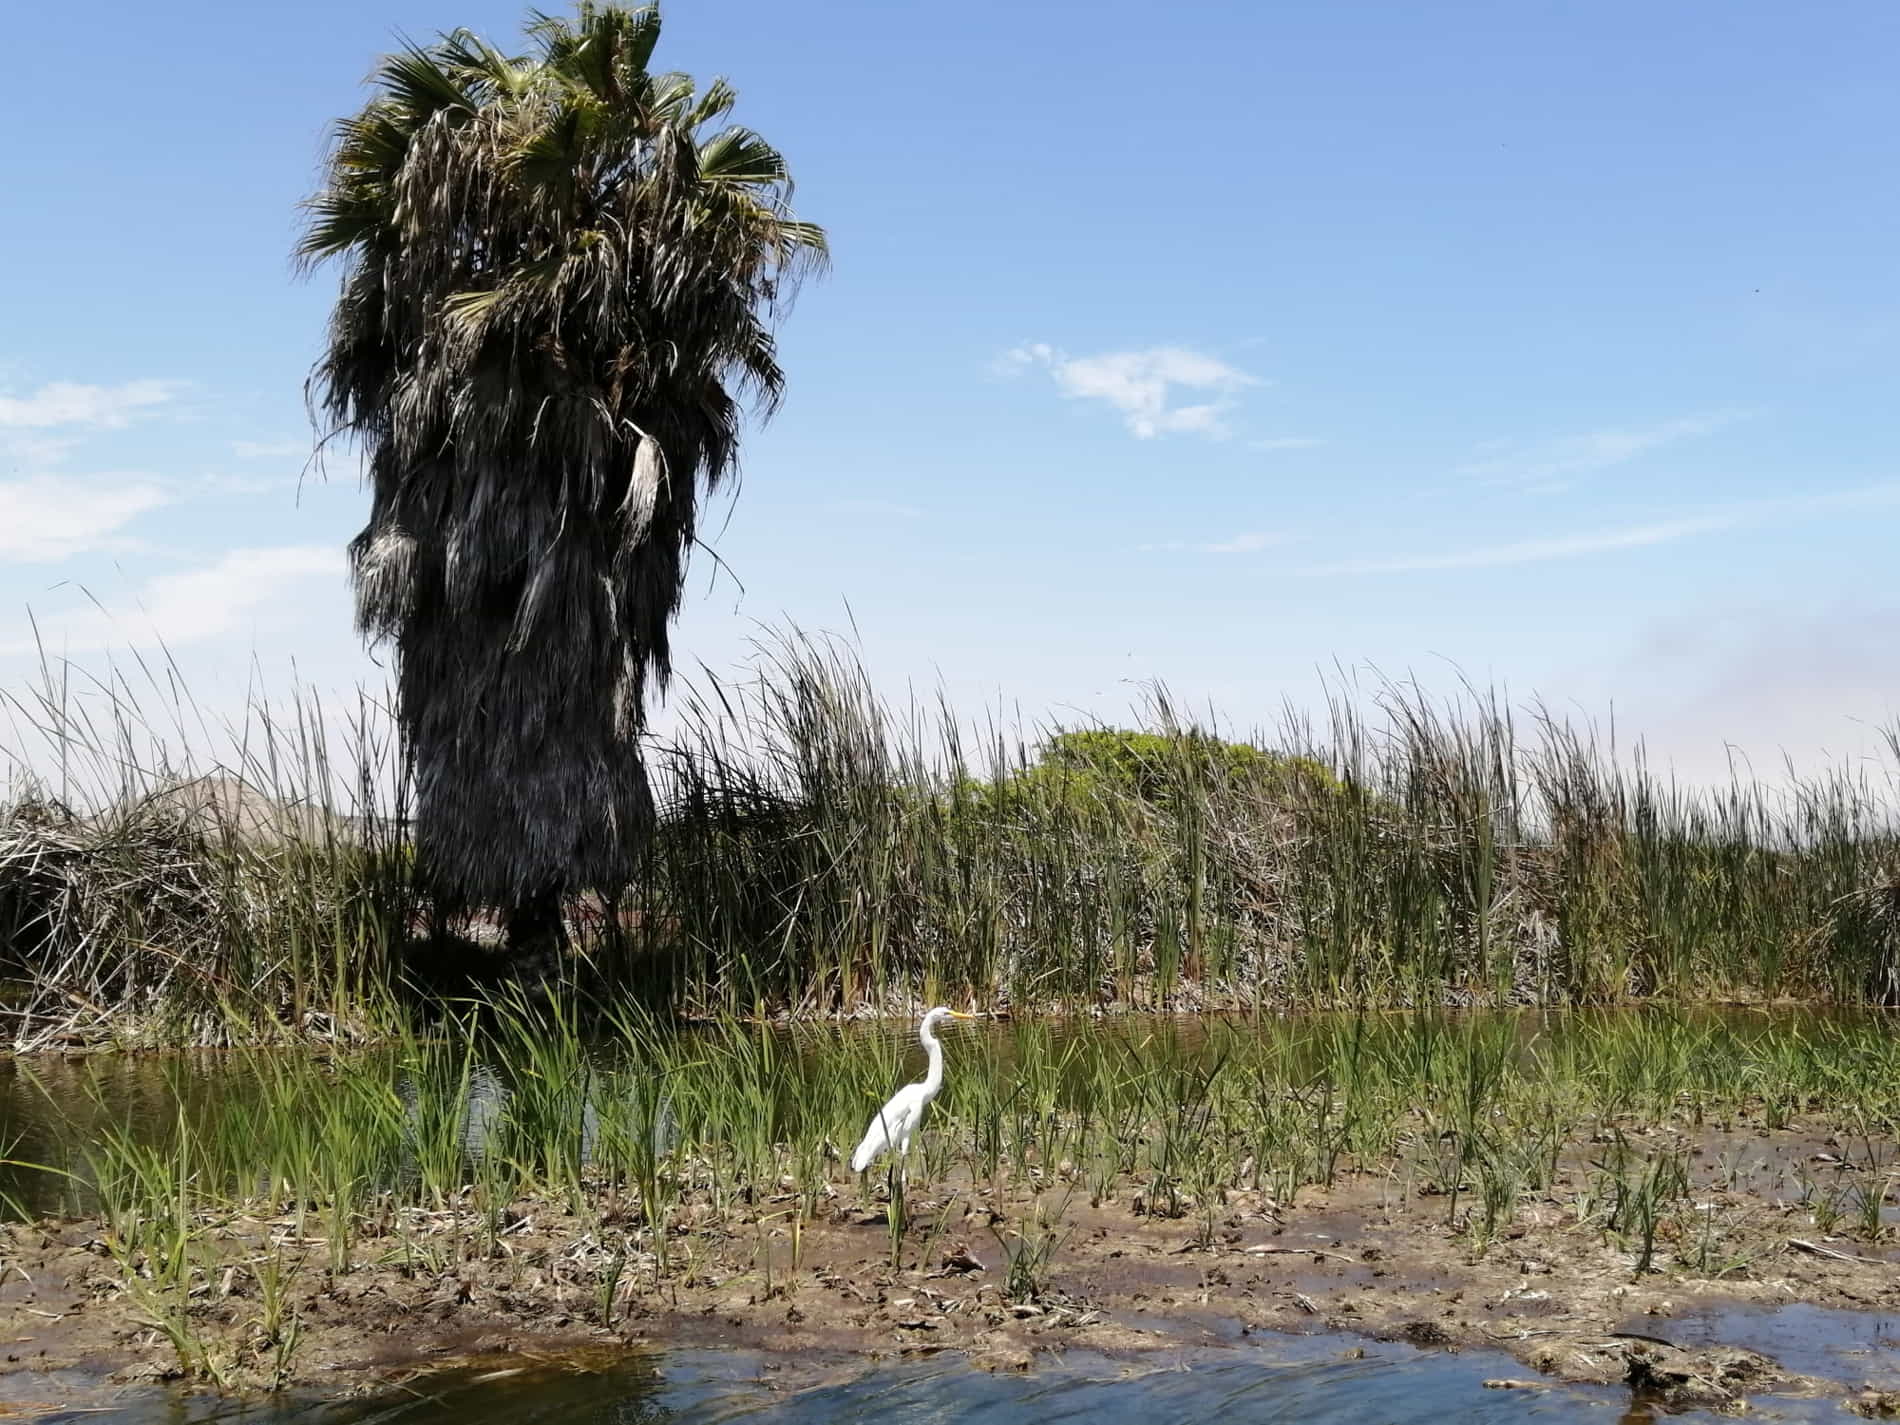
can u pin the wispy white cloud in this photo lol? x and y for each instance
(1141, 385)
(1019, 359)
(50, 514)
(1285, 442)
(891, 509)
(1251, 542)
(269, 449)
(189, 607)
(1534, 551)
(47, 518)
(1551, 465)
(69, 403)
(222, 482)
(1244, 544)
(19, 451)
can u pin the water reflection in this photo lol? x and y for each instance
(482, 1102)
(1853, 1346)
(1312, 1381)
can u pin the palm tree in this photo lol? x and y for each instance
(559, 274)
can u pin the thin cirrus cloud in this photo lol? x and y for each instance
(269, 449)
(33, 452)
(1159, 390)
(1553, 464)
(874, 508)
(191, 606)
(73, 403)
(1251, 542)
(1740, 515)
(1532, 551)
(44, 518)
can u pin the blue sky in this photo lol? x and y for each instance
(1551, 345)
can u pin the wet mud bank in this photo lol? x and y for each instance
(1733, 1294)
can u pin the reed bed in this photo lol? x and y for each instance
(165, 880)
(820, 851)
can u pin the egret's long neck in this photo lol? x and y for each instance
(933, 1076)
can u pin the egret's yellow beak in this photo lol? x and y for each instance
(959, 1014)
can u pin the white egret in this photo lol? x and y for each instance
(898, 1119)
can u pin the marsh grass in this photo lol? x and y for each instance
(822, 850)
(1639, 1187)
(428, 1150)
(280, 1323)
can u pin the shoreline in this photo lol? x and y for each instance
(1200, 1003)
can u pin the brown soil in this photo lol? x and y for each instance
(1367, 1256)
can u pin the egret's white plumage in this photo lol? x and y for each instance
(898, 1119)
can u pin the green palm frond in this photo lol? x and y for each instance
(713, 105)
(340, 222)
(421, 83)
(479, 63)
(553, 154)
(740, 156)
(602, 45)
(806, 236)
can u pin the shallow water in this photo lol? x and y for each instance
(1857, 1347)
(1311, 1381)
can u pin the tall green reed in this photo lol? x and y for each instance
(820, 849)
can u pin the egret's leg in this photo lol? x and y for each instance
(895, 1211)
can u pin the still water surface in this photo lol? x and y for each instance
(1308, 1381)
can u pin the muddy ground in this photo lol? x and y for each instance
(1369, 1256)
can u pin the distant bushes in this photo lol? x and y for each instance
(1164, 772)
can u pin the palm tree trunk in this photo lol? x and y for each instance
(535, 927)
